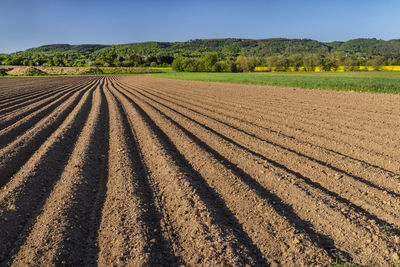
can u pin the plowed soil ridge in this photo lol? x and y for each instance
(269, 136)
(31, 86)
(19, 150)
(9, 107)
(143, 171)
(19, 122)
(335, 171)
(268, 122)
(26, 108)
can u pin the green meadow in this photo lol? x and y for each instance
(380, 82)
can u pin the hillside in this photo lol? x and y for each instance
(62, 49)
(225, 47)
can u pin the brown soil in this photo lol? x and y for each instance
(135, 170)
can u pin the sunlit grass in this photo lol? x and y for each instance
(382, 82)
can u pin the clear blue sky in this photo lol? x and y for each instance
(31, 23)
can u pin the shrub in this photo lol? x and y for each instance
(210, 60)
(178, 64)
(245, 64)
(3, 72)
(233, 67)
(194, 65)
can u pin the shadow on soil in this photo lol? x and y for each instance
(161, 253)
(279, 206)
(222, 216)
(357, 209)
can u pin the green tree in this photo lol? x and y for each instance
(58, 61)
(246, 63)
(178, 64)
(50, 62)
(280, 62)
(137, 60)
(194, 65)
(79, 63)
(330, 63)
(312, 60)
(210, 60)
(233, 67)
(377, 61)
(128, 63)
(296, 61)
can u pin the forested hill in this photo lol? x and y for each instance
(62, 49)
(226, 48)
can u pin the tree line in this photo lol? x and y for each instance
(279, 52)
(110, 59)
(211, 62)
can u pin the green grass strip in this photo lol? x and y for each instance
(378, 82)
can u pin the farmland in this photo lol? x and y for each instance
(137, 170)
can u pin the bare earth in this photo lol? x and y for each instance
(135, 170)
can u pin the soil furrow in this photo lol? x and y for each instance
(357, 187)
(5, 102)
(374, 173)
(383, 203)
(130, 231)
(14, 155)
(30, 100)
(276, 244)
(385, 244)
(32, 87)
(7, 120)
(31, 96)
(277, 105)
(285, 114)
(19, 124)
(201, 232)
(22, 199)
(60, 233)
(332, 144)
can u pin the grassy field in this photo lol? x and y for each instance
(382, 82)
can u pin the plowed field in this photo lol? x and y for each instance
(137, 170)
